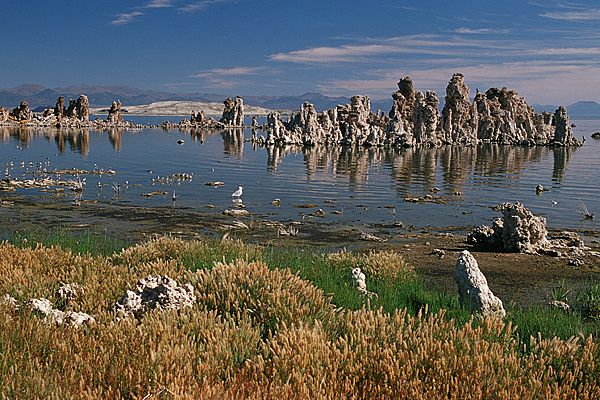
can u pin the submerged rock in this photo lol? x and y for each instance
(155, 292)
(473, 289)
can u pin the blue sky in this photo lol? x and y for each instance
(549, 51)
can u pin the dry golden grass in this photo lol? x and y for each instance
(375, 264)
(269, 297)
(259, 333)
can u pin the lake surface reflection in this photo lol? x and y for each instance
(351, 185)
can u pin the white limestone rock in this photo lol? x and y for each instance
(10, 301)
(560, 305)
(522, 232)
(68, 291)
(563, 134)
(155, 292)
(233, 112)
(360, 281)
(43, 308)
(473, 288)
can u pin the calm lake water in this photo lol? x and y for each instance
(364, 186)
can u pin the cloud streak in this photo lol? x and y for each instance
(189, 8)
(228, 72)
(126, 18)
(425, 45)
(159, 4)
(574, 16)
(228, 78)
(478, 31)
(559, 77)
(200, 5)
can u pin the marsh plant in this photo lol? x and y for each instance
(268, 323)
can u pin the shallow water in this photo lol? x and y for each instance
(362, 186)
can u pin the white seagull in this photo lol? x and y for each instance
(238, 193)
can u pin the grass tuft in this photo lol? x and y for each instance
(273, 323)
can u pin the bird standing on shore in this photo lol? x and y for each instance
(238, 193)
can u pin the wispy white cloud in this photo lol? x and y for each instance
(478, 31)
(369, 49)
(574, 16)
(159, 4)
(565, 80)
(346, 53)
(200, 5)
(228, 72)
(564, 51)
(228, 78)
(425, 45)
(126, 18)
(188, 8)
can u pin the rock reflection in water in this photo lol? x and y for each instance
(115, 135)
(233, 142)
(420, 165)
(561, 159)
(78, 140)
(416, 169)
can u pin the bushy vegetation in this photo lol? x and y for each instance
(276, 323)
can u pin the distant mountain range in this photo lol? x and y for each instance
(40, 97)
(578, 109)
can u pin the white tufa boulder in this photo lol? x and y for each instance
(360, 282)
(44, 309)
(473, 288)
(68, 291)
(155, 292)
(10, 301)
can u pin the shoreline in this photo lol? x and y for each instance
(524, 279)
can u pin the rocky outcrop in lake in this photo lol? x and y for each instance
(115, 116)
(21, 113)
(4, 115)
(233, 112)
(75, 115)
(496, 116)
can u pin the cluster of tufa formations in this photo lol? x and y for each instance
(498, 115)
(75, 115)
(519, 231)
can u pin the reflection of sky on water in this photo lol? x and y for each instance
(362, 182)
